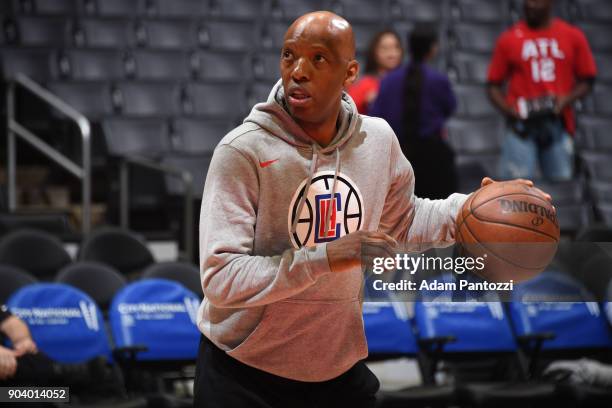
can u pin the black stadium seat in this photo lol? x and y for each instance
(228, 35)
(36, 252)
(149, 98)
(104, 33)
(116, 8)
(92, 99)
(35, 63)
(473, 102)
(482, 11)
(415, 10)
(601, 191)
(196, 164)
(184, 273)
(469, 67)
(266, 65)
(199, 136)
(602, 94)
(573, 218)
(92, 65)
(594, 10)
(598, 165)
(272, 35)
(475, 37)
(136, 136)
(119, 248)
(598, 36)
(595, 133)
(364, 32)
(42, 31)
(163, 65)
(605, 211)
(221, 66)
(357, 10)
(46, 7)
(220, 100)
(13, 278)
(174, 34)
(98, 280)
(470, 136)
(289, 10)
(604, 67)
(236, 9)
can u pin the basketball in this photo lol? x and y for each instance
(512, 226)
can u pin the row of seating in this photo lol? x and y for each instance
(524, 334)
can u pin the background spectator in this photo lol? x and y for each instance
(548, 65)
(385, 53)
(417, 100)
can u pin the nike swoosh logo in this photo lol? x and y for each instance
(267, 163)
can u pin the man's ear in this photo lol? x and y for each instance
(352, 71)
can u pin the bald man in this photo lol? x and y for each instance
(293, 197)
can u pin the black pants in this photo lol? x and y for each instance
(223, 382)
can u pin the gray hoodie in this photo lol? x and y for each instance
(270, 299)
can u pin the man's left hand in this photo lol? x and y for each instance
(561, 103)
(25, 346)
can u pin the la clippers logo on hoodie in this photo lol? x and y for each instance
(345, 210)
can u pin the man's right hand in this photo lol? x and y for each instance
(347, 253)
(8, 363)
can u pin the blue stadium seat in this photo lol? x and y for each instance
(475, 136)
(221, 66)
(13, 279)
(604, 67)
(600, 99)
(35, 63)
(149, 98)
(199, 136)
(258, 92)
(416, 10)
(598, 165)
(357, 10)
(272, 35)
(364, 32)
(115, 8)
(475, 37)
(388, 329)
(472, 168)
(92, 99)
(481, 11)
(104, 33)
(236, 9)
(289, 10)
(165, 33)
(44, 7)
(601, 191)
(185, 273)
(472, 101)
(218, 100)
(17, 247)
(136, 136)
(65, 323)
(92, 65)
(159, 314)
(469, 67)
(228, 35)
(534, 310)
(162, 64)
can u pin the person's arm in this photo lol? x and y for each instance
(19, 334)
(497, 98)
(581, 89)
(416, 223)
(8, 363)
(497, 75)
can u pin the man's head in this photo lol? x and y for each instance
(317, 63)
(537, 12)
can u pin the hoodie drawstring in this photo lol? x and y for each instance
(333, 194)
(313, 166)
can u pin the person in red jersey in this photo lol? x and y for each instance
(547, 64)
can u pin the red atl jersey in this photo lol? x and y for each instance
(542, 62)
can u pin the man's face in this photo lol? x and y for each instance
(537, 11)
(314, 69)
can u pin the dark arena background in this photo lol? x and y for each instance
(111, 111)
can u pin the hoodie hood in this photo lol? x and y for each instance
(274, 117)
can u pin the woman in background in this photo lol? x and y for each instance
(417, 101)
(385, 53)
